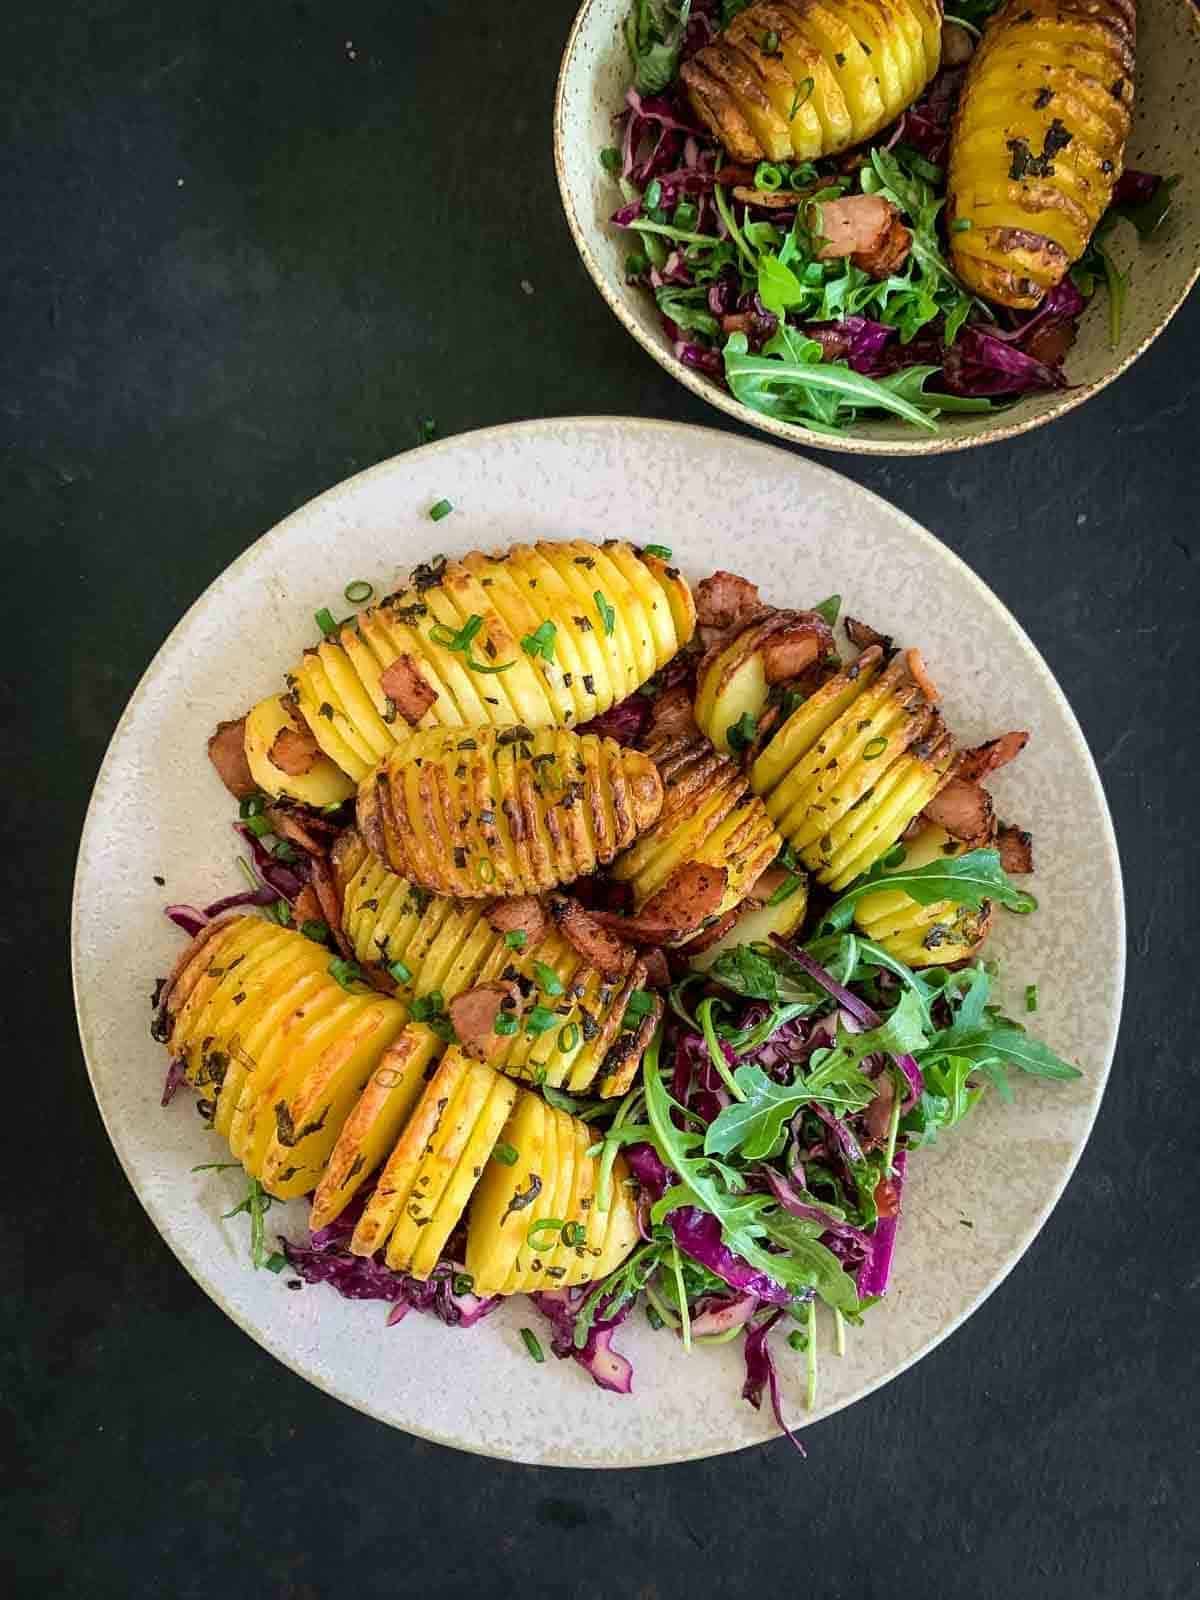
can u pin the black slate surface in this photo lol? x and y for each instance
(242, 257)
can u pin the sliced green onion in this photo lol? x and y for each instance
(553, 1225)
(662, 551)
(485, 871)
(541, 641)
(275, 1262)
(830, 609)
(461, 643)
(607, 615)
(258, 826)
(803, 90)
(440, 509)
(399, 972)
(742, 733)
(640, 1004)
(283, 851)
(548, 980)
(281, 913)
(505, 1024)
(770, 42)
(532, 1345)
(1031, 997)
(961, 225)
(874, 747)
(568, 1037)
(345, 972)
(768, 177)
(504, 1154)
(686, 215)
(516, 939)
(428, 1005)
(252, 806)
(636, 264)
(540, 1020)
(324, 621)
(652, 198)
(359, 591)
(610, 159)
(462, 1283)
(315, 930)
(573, 1234)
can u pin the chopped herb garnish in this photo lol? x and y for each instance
(461, 642)
(440, 509)
(874, 747)
(344, 972)
(829, 608)
(540, 1020)
(961, 225)
(610, 159)
(1031, 997)
(548, 980)
(283, 851)
(504, 1154)
(804, 91)
(640, 1004)
(541, 641)
(398, 972)
(532, 1345)
(275, 1262)
(516, 939)
(662, 551)
(568, 1037)
(324, 621)
(315, 930)
(742, 733)
(607, 615)
(252, 806)
(505, 1024)
(359, 591)
(545, 1225)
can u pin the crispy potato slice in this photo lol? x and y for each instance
(505, 1195)
(540, 1253)
(800, 732)
(924, 936)
(756, 925)
(466, 1175)
(325, 784)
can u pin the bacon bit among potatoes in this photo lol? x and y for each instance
(407, 688)
(975, 765)
(227, 752)
(474, 1014)
(523, 914)
(588, 935)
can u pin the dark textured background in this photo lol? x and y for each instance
(238, 266)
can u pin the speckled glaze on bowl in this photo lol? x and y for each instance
(800, 531)
(1166, 137)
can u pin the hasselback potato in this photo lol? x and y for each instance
(924, 936)
(806, 79)
(853, 765)
(1038, 142)
(546, 635)
(486, 811)
(709, 815)
(449, 947)
(316, 1085)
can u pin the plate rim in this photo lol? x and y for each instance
(793, 432)
(614, 423)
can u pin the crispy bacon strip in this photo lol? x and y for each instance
(405, 685)
(474, 1012)
(523, 913)
(794, 649)
(306, 907)
(889, 255)
(1016, 849)
(709, 936)
(227, 752)
(658, 973)
(867, 228)
(323, 881)
(592, 935)
(964, 810)
(975, 765)
(861, 635)
(294, 751)
(670, 717)
(690, 895)
(725, 599)
(306, 834)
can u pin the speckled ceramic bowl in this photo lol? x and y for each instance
(158, 808)
(1166, 137)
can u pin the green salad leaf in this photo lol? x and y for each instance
(654, 33)
(967, 880)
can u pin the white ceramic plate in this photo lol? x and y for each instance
(800, 531)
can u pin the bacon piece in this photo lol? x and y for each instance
(861, 635)
(658, 974)
(765, 885)
(793, 649)
(294, 751)
(855, 223)
(974, 765)
(589, 933)
(769, 199)
(306, 907)
(889, 255)
(671, 717)
(323, 881)
(405, 685)
(306, 834)
(919, 673)
(958, 46)
(688, 898)
(227, 752)
(725, 599)
(1016, 848)
(964, 810)
(523, 913)
(474, 1012)
(705, 939)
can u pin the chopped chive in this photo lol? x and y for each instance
(568, 1037)
(1031, 997)
(686, 216)
(504, 1154)
(551, 1225)
(398, 972)
(252, 806)
(440, 509)
(532, 1345)
(540, 1020)
(770, 42)
(505, 1024)
(462, 1283)
(573, 1233)
(258, 825)
(652, 198)
(283, 851)
(768, 177)
(427, 1006)
(830, 608)
(874, 747)
(636, 264)
(639, 1005)
(345, 972)
(516, 939)
(803, 90)
(324, 621)
(281, 913)
(610, 159)
(961, 225)
(461, 643)
(662, 551)
(607, 615)
(275, 1262)
(315, 930)
(541, 641)
(548, 980)
(359, 591)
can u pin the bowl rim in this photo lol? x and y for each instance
(792, 432)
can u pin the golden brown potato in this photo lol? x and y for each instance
(506, 811)
(1038, 142)
(924, 936)
(808, 78)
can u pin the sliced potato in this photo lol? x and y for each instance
(466, 1175)
(756, 925)
(323, 785)
(501, 1205)
(540, 1249)
(924, 936)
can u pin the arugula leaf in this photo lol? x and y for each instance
(744, 1218)
(810, 390)
(756, 1124)
(744, 970)
(967, 880)
(1148, 215)
(997, 1040)
(946, 1100)
(687, 309)
(654, 33)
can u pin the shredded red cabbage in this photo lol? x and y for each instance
(608, 1368)
(856, 340)
(978, 364)
(876, 1270)
(174, 1080)
(699, 1234)
(760, 1373)
(625, 722)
